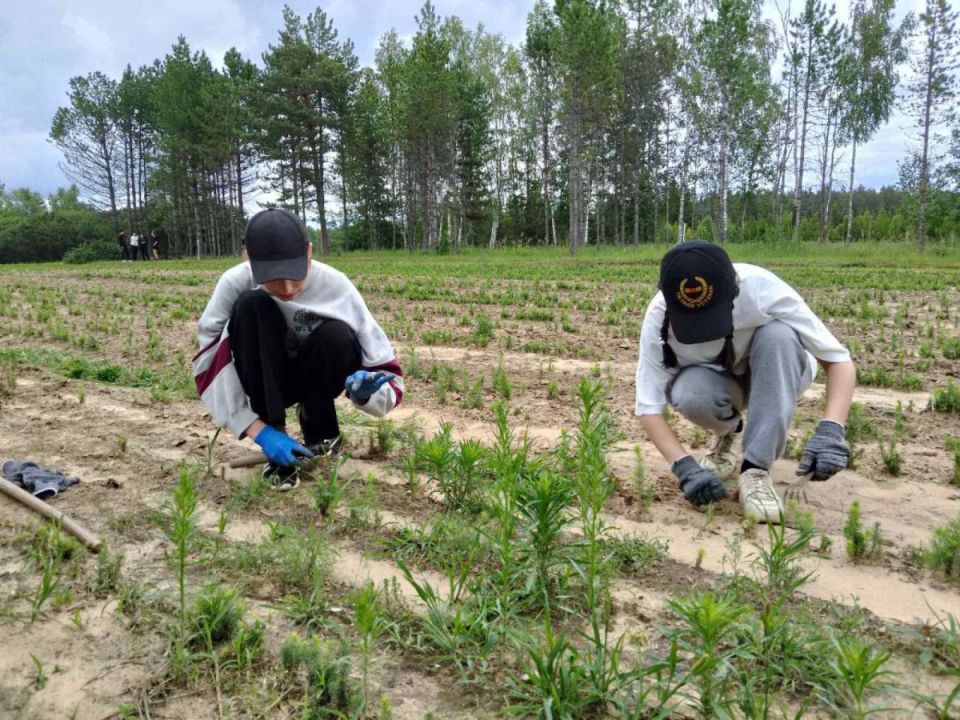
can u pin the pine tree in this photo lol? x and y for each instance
(588, 41)
(934, 63)
(86, 134)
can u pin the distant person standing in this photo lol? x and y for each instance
(134, 246)
(122, 244)
(143, 243)
(155, 244)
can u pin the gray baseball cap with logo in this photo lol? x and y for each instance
(276, 242)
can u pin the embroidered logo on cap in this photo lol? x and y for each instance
(696, 295)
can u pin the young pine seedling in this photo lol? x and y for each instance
(501, 383)
(943, 555)
(644, 486)
(899, 426)
(862, 544)
(553, 389)
(947, 400)
(473, 399)
(370, 624)
(892, 459)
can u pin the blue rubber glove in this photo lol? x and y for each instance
(362, 384)
(280, 448)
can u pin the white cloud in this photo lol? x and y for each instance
(39, 54)
(87, 35)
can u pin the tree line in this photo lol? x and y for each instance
(613, 121)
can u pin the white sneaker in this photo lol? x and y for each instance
(757, 496)
(723, 460)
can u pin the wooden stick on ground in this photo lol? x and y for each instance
(249, 460)
(39, 506)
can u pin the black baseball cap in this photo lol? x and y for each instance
(276, 242)
(699, 285)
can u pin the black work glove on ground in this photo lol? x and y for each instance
(699, 485)
(826, 453)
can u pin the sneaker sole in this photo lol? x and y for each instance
(762, 518)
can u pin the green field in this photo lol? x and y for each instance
(507, 542)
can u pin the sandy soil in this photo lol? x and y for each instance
(125, 446)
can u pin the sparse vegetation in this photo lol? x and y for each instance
(943, 555)
(947, 400)
(522, 542)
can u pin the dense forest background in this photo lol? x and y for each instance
(622, 122)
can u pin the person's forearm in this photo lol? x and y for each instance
(841, 381)
(255, 427)
(662, 437)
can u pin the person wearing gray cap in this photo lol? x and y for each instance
(283, 329)
(718, 338)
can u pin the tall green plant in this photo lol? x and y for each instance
(370, 623)
(543, 505)
(595, 433)
(710, 624)
(183, 508)
(858, 669)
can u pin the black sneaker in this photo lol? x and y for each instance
(332, 448)
(282, 477)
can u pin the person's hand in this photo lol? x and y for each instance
(280, 448)
(362, 384)
(699, 485)
(826, 453)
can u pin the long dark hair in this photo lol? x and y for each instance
(726, 358)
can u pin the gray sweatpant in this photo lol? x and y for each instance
(777, 375)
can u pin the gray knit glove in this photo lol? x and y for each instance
(826, 453)
(699, 485)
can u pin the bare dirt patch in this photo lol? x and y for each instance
(126, 443)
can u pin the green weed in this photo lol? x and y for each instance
(858, 670)
(39, 676)
(634, 554)
(330, 489)
(183, 509)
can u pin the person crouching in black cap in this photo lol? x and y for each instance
(283, 329)
(718, 338)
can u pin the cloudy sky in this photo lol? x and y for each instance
(43, 43)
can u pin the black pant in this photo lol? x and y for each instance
(273, 380)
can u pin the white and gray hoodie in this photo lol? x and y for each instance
(328, 294)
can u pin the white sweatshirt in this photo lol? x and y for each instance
(763, 297)
(328, 294)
